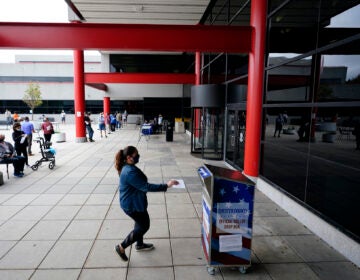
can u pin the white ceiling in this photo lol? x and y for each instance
(187, 12)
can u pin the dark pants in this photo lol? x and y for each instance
(90, 131)
(17, 161)
(29, 139)
(142, 225)
(47, 137)
(21, 151)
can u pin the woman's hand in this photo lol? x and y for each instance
(171, 183)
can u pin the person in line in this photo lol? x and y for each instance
(118, 120)
(279, 122)
(88, 127)
(8, 155)
(101, 121)
(107, 123)
(48, 129)
(133, 186)
(21, 142)
(112, 122)
(62, 116)
(28, 128)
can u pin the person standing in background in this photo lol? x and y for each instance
(62, 115)
(124, 118)
(28, 129)
(8, 117)
(101, 122)
(88, 127)
(20, 142)
(118, 120)
(16, 117)
(48, 129)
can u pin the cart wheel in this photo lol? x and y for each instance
(51, 164)
(34, 167)
(211, 270)
(242, 269)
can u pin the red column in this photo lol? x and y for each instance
(255, 88)
(106, 105)
(197, 68)
(197, 82)
(79, 96)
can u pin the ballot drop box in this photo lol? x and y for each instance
(227, 219)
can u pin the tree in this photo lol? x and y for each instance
(32, 97)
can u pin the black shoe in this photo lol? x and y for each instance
(121, 255)
(92, 140)
(144, 247)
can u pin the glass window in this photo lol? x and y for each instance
(290, 82)
(285, 148)
(334, 166)
(339, 78)
(291, 24)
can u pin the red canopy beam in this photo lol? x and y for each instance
(92, 36)
(139, 78)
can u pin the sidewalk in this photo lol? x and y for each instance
(64, 223)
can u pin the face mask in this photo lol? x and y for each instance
(136, 159)
(17, 129)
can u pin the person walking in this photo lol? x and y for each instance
(133, 186)
(102, 127)
(8, 155)
(28, 129)
(20, 142)
(48, 129)
(88, 127)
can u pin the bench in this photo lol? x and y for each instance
(4, 122)
(7, 168)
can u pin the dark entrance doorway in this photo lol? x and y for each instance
(235, 137)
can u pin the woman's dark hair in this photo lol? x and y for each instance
(120, 157)
(16, 125)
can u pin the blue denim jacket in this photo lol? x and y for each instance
(133, 188)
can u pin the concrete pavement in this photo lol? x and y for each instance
(64, 223)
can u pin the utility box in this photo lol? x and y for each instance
(179, 127)
(227, 222)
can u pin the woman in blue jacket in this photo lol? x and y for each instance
(133, 187)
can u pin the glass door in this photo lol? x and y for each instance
(235, 138)
(208, 133)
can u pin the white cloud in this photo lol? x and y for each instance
(34, 11)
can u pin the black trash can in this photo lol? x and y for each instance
(169, 132)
